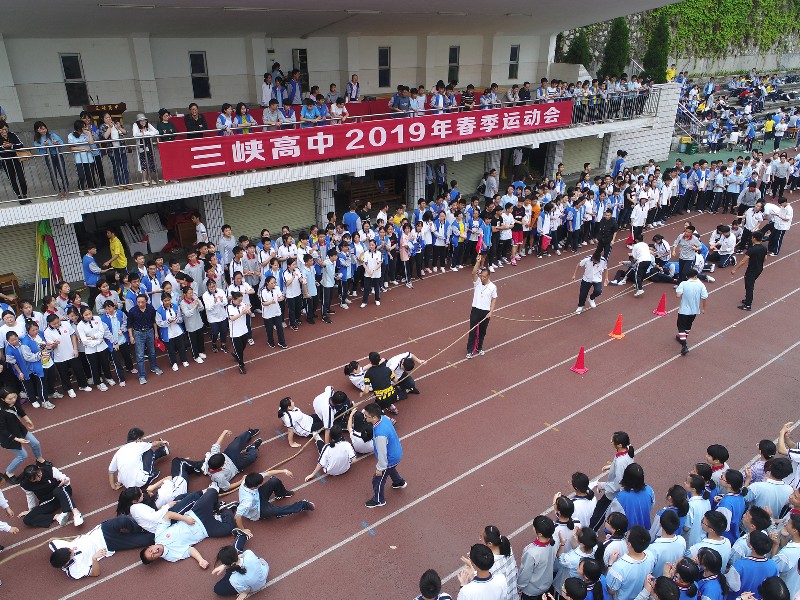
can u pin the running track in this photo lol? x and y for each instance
(488, 441)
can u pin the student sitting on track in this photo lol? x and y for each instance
(222, 467)
(133, 465)
(244, 573)
(355, 372)
(297, 422)
(49, 496)
(402, 365)
(254, 498)
(360, 432)
(334, 457)
(329, 406)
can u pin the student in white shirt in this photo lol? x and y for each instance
(595, 268)
(669, 547)
(360, 433)
(131, 503)
(237, 322)
(92, 333)
(584, 499)
(292, 285)
(271, 298)
(640, 253)
(297, 422)
(215, 303)
(477, 581)
(430, 587)
(244, 288)
(328, 406)
(133, 465)
(65, 354)
(335, 457)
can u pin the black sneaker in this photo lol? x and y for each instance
(12, 479)
(284, 346)
(745, 307)
(242, 370)
(224, 348)
(327, 320)
(256, 444)
(237, 532)
(214, 349)
(331, 312)
(372, 504)
(684, 350)
(228, 506)
(413, 391)
(288, 494)
(400, 486)
(270, 345)
(309, 506)
(294, 328)
(253, 432)
(310, 321)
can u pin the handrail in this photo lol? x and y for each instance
(47, 173)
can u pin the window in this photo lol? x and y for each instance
(74, 80)
(201, 86)
(300, 62)
(513, 63)
(384, 67)
(452, 63)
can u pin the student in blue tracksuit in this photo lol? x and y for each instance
(747, 573)
(732, 504)
(171, 332)
(117, 323)
(418, 249)
(344, 267)
(388, 451)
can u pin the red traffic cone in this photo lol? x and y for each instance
(579, 366)
(661, 310)
(617, 333)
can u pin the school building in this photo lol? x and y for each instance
(59, 58)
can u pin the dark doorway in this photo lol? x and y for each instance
(378, 186)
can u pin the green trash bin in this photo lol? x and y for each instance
(692, 148)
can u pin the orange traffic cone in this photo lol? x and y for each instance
(661, 310)
(617, 333)
(579, 366)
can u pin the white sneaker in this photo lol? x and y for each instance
(199, 360)
(363, 304)
(638, 292)
(454, 268)
(36, 404)
(251, 342)
(71, 393)
(500, 264)
(61, 519)
(435, 269)
(592, 303)
(88, 388)
(201, 355)
(710, 278)
(49, 405)
(102, 387)
(492, 269)
(175, 367)
(579, 310)
(56, 395)
(186, 364)
(344, 306)
(77, 518)
(121, 384)
(111, 382)
(377, 302)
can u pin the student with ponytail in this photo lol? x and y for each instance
(677, 502)
(659, 588)
(244, 572)
(584, 545)
(132, 503)
(622, 458)
(616, 526)
(732, 504)
(591, 571)
(296, 421)
(713, 585)
(504, 561)
(536, 565)
(564, 508)
(699, 505)
(584, 499)
(686, 573)
(335, 457)
(573, 588)
(705, 471)
(772, 588)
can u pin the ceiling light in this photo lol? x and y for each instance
(142, 6)
(361, 11)
(443, 13)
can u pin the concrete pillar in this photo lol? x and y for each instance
(213, 216)
(555, 155)
(487, 62)
(9, 99)
(256, 61)
(69, 253)
(415, 184)
(143, 73)
(324, 188)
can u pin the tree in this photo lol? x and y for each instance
(578, 53)
(617, 53)
(657, 55)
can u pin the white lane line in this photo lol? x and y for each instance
(507, 451)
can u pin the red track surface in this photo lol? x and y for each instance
(488, 441)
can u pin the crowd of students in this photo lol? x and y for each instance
(723, 534)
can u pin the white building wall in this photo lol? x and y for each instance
(403, 63)
(470, 59)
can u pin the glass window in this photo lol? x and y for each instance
(384, 67)
(513, 63)
(201, 85)
(453, 57)
(74, 80)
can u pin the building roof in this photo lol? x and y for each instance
(305, 18)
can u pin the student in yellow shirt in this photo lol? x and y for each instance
(671, 72)
(769, 130)
(118, 259)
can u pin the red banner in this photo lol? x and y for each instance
(182, 159)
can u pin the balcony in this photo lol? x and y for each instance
(231, 161)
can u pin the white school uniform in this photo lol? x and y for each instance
(297, 420)
(237, 328)
(335, 460)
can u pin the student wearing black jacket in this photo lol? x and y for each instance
(15, 433)
(49, 496)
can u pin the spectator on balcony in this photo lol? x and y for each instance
(243, 119)
(276, 72)
(309, 115)
(417, 101)
(49, 143)
(512, 96)
(279, 91)
(541, 91)
(525, 92)
(400, 104)
(272, 117)
(438, 100)
(147, 166)
(450, 101)
(289, 114)
(113, 131)
(166, 129)
(332, 94)
(468, 98)
(353, 89)
(295, 88)
(97, 165)
(9, 143)
(80, 139)
(267, 88)
(322, 109)
(339, 113)
(486, 99)
(224, 123)
(195, 122)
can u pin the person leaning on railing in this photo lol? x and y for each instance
(195, 122)
(143, 129)
(9, 144)
(112, 132)
(48, 144)
(81, 139)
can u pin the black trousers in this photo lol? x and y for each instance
(327, 293)
(439, 255)
(371, 283)
(42, 514)
(749, 287)
(239, 344)
(293, 306)
(641, 271)
(585, 287)
(310, 305)
(73, 365)
(477, 332)
(176, 347)
(277, 324)
(99, 366)
(196, 342)
(122, 533)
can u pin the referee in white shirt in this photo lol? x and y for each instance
(483, 302)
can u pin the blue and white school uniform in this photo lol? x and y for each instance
(723, 547)
(748, 573)
(666, 550)
(786, 561)
(692, 530)
(733, 507)
(627, 575)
